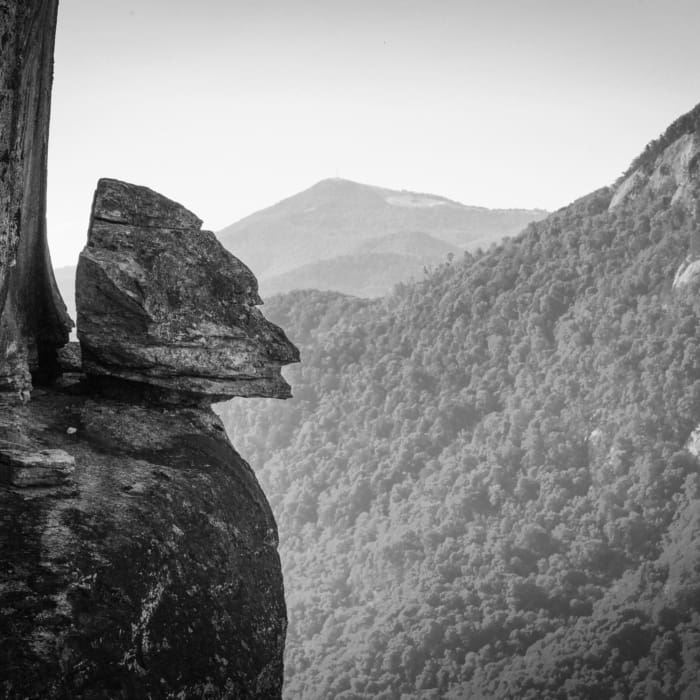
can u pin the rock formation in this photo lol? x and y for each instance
(673, 173)
(670, 170)
(162, 303)
(33, 319)
(139, 554)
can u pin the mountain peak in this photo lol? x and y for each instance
(333, 182)
(335, 217)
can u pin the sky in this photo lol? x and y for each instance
(229, 106)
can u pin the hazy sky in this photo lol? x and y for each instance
(231, 105)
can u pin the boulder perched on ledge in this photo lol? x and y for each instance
(138, 550)
(162, 303)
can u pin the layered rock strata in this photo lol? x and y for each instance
(162, 303)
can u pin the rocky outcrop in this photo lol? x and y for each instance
(163, 304)
(688, 272)
(33, 319)
(139, 554)
(670, 171)
(141, 551)
(674, 173)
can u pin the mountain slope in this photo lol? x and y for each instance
(488, 484)
(364, 275)
(411, 243)
(335, 216)
(372, 270)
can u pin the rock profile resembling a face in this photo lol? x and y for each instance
(161, 303)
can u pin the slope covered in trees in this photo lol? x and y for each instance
(485, 486)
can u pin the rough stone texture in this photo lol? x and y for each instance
(149, 570)
(162, 303)
(687, 273)
(33, 319)
(137, 552)
(70, 358)
(23, 467)
(122, 203)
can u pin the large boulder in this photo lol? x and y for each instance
(139, 555)
(162, 303)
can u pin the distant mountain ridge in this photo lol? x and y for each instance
(371, 270)
(286, 244)
(340, 235)
(414, 243)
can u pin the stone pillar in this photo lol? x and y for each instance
(33, 317)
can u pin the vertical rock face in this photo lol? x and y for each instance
(33, 319)
(139, 554)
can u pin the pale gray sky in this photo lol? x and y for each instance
(231, 105)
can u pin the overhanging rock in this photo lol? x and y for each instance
(162, 303)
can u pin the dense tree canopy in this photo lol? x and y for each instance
(483, 485)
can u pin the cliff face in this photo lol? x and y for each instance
(33, 320)
(139, 555)
(669, 171)
(138, 552)
(673, 174)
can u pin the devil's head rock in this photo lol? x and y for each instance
(162, 304)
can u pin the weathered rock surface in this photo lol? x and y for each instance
(148, 569)
(687, 273)
(23, 467)
(137, 551)
(674, 173)
(33, 318)
(162, 303)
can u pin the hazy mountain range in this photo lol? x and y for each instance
(357, 239)
(361, 239)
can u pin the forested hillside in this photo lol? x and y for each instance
(486, 486)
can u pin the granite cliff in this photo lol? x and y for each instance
(138, 553)
(33, 319)
(668, 170)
